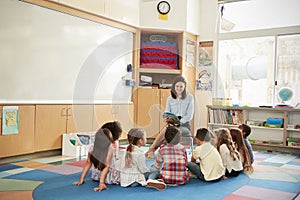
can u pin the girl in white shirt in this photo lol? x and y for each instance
(230, 156)
(132, 174)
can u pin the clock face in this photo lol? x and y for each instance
(163, 7)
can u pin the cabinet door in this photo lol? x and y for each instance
(148, 110)
(79, 118)
(164, 94)
(102, 114)
(122, 113)
(23, 142)
(51, 122)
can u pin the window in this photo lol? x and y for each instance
(288, 70)
(246, 69)
(257, 60)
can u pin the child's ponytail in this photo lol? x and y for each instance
(133, 136)
(128, 156)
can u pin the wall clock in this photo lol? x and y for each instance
(163, 7)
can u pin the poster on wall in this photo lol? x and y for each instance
(190, 49)
(10, 120)
(205, 53)
(204, 66)
(204, 79)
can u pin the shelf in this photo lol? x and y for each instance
(253, 108)
(294, 130)
(272, 137)
(269, 145)
(159, 71)
(227, 125)
(266, 128)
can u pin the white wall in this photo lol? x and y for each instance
(193, 17)
(149, 16)
(208, 14)
(208, 19)
(123, 11)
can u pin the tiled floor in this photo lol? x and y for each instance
(276, 174)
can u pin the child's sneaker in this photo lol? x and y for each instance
(156, 184)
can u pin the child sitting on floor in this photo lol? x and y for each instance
(103, 157)
(229, 154)
(171, 160)
(246, 130)
(132, 174)
(238, 139)
(99, 157)
(210, 167)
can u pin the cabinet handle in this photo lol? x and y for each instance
(63, 112)
(69, 112)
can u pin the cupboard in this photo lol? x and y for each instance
(124, 113)
(41, 126)
(54, 120)
(23, 142)
(151, 104)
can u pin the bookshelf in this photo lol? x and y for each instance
(285, 135)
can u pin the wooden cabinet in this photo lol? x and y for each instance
(151, 106)
(41, 126)
(23, 142)
(50, 124)
(262, 134)
(124, 113)
(79, 118)
(54, 120)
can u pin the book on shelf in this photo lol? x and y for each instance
(273, 125)
(219, 116)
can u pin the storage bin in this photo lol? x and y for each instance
(77, 144)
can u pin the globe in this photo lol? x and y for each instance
(285, 94)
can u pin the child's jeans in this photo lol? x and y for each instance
(152, 175)
(195, 169)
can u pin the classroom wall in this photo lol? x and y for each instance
(182, 16)
(123, 11)
(208, 15)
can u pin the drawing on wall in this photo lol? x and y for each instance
(205, 53)
(10, 120)
(204, 67)
(204, 81)
(190, 49)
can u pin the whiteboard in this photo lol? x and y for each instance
(49, 56)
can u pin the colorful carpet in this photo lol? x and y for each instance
(276, 176)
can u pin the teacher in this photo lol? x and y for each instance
(181, 104)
